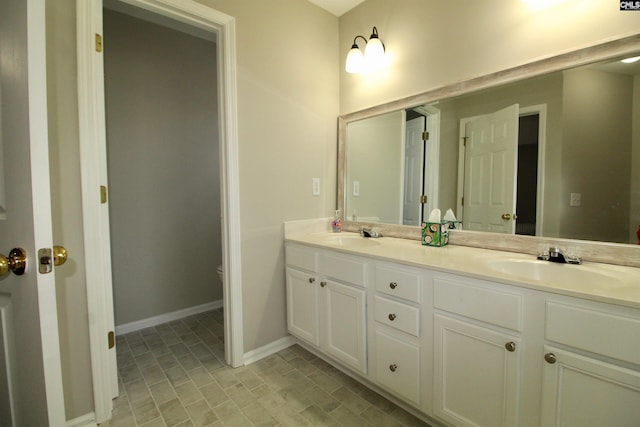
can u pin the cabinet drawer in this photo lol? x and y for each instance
(397, 315)
(301, 257)
(402, 284)
(606, 333)
(398, 366)
(343, 268)
(478, 302)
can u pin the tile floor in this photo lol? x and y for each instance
(173, 375)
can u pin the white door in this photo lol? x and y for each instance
(581, 391)
(30, 374)
(413, 171)
(302, 305)
(343, 321)
(476, 374)
(490, 167)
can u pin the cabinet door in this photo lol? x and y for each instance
(343, 321)
(476, 374)
(302, 305)
(581, 391)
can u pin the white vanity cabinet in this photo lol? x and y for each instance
(591, 374)
(397, 332)
(477, 352)
(326, 303)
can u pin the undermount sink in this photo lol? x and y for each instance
(352, 240)
(551, 272)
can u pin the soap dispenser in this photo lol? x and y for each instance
(336, 222)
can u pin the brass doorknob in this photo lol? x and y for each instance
(506, 216)
(16, 262)
(59, 255)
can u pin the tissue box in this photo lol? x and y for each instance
(437, 233)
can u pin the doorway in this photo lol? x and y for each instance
(197, 18)
(163, 171)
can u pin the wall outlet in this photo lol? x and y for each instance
(356, 188)
(575, 199)
(315, 185)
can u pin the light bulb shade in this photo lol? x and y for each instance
(374, 54)
(355, 60)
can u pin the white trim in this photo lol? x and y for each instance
(41, 199)
(93, 174)
(86, 420)
(167, 317)
(269, 349)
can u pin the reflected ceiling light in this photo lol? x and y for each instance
(631, 60)
(373, 57)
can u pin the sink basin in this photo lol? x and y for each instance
(549, 272)
(351, 241)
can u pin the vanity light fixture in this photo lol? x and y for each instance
(631, 60)
(373, 57)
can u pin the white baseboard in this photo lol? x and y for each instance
(269, 349)
(86, 420)
(167, 317)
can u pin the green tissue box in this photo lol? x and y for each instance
(437, 233)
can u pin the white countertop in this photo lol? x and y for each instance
(594, 281)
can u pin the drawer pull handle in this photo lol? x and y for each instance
(393, 285)
(510, 346)
(550, 358)
(323, 284)
(393, 367)
(312, 279)
(392, 317)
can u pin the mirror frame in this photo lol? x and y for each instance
(612, 253)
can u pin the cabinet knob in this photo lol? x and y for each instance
(323, 284)
(392, 317)
(312, 279)
(550, 358)
(510, 346)
(393, 285)
(393, 367)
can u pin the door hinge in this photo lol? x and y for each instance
(103, 194)
(423, 199)
(464, 140)
(425, 136)
(462, 201)
(98, 43)
(111, 339)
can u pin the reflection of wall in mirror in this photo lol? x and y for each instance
(634, 208)
(374, 157)
(596, 154)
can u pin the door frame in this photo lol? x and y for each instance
(541, 110)
(92, 125)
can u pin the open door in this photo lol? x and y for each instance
(413, 171)
(30, 375)
(490, 172)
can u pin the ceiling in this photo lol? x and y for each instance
(337, 7)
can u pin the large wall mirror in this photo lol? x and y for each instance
(549, 149)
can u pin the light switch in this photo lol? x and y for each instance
(356, 188)
(315, 184)
(575, 199)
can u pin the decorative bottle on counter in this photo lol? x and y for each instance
(336, 223)
(638, 234)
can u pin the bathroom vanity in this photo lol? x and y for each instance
(469, 336)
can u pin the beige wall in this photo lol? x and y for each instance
(436, 42)
(164, 178)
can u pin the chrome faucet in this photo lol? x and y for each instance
(368, 232)
(555, 254)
